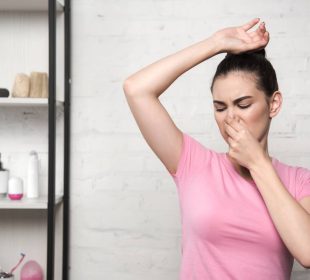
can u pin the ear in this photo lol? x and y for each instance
(275, 102)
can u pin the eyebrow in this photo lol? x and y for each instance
(234, 102)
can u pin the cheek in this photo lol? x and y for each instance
(256, 120)
(220, 118)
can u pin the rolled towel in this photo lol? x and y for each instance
(38, 85)
(21, 85)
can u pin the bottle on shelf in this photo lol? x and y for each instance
(4, 180)
(16, 188)
(33, 175)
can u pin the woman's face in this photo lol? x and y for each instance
(236, 95)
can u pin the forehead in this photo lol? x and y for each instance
(234, 85)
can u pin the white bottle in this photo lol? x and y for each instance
(4, 179)
(33, 175)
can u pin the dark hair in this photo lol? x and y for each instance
(254, 62)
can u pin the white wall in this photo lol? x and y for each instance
(125, 222)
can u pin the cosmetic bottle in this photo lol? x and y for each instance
(16, 188)
(33, 175)
(4, 180)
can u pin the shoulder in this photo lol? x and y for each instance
(197, 146)
(296, 178)
(293, 170)
(195, 157)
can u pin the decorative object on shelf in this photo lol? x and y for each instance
(17, 265)
(6, 276)
(10, 275)
(21, 86)
(38, 85)
(4, 92)
(15, 190)
(4, 180)
(31, 271)
(33, 175)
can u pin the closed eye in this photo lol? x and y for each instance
(244, 106)
(240, 106)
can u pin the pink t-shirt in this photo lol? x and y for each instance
(227, 233)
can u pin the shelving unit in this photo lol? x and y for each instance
(28, 5)
(28, 203)
(40, 215)
(13, 102)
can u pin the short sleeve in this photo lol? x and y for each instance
(194, 156)
(303, 183)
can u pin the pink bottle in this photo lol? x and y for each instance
(31, 271)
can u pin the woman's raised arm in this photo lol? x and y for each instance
(143, 88)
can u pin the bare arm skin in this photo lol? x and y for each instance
(143, 88)
(289, 217)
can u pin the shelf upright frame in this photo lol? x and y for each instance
(51, 139)
(67, 132)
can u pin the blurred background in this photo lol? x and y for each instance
(125, 219)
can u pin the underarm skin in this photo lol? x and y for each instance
(291, 220)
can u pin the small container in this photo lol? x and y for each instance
(15, 188)
(6, 276)
(4, 92)
(4, 179)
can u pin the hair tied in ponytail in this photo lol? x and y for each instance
(260, 52)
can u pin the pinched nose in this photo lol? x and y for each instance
(230, 115)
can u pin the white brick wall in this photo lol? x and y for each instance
(125, 214)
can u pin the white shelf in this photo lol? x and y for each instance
(27, 203)
(28, 5)
(16, 101)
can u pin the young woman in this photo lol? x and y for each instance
(245, 215)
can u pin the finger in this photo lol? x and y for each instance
(230, 141)
(234, 123)
(250, 24)
(262, 28)
(266, 36)
(239, 124)
(259, 43)
(258, 34)
(231, 131)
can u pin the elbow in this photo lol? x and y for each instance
(128, 87)
(133, 88)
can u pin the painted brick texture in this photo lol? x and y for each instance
(125, 221)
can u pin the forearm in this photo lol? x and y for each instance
(291, 220)
(155, 78)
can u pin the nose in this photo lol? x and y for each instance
(230, 113)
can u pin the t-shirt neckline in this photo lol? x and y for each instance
(229, 164)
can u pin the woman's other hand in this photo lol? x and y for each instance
(238, 39)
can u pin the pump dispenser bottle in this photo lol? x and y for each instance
(4, 180)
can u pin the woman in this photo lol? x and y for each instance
(245, 215)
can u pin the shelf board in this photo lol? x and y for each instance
(28, 5)
(27, 203)
(16, 101)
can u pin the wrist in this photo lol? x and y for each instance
(216, 41)
(261, 164)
